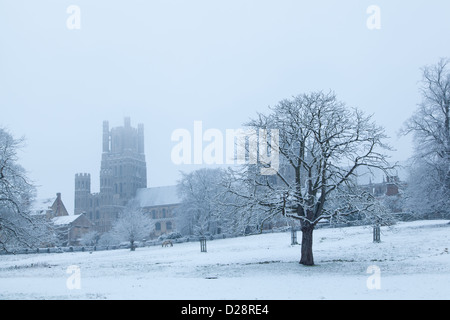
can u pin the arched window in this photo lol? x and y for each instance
(169, 225)
(158, 226)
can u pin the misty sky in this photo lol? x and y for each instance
(168, 63)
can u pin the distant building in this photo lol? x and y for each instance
(389, 187)
(160, 203)
(123, 171)
(69, 229)
(57, 209)
(390, 190)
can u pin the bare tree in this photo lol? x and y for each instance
(18, 227)
(202, 195)
(208, 208)
(321, 144)
(132, 225)
(90, 239)
(248, 215)
(429, 183)
(108, 239)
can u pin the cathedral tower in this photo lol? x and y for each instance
(82, 192)
(123, 170)
(123, 167)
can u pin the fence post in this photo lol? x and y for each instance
(293, 236)
(203, 244)
(376, 233)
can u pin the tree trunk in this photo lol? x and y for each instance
(307, 242)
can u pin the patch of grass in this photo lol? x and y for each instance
(262, 262)
(29, 266)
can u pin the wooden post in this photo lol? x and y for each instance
(203, 244)
(376, 233)
(293, 236)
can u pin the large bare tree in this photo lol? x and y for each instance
(429, 182)
(321, 145)
(18, 227)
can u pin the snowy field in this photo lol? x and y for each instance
(413, 261)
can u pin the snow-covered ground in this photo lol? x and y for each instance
(411, 262)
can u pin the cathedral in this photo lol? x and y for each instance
(123, 171)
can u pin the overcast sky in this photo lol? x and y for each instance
(168, 63)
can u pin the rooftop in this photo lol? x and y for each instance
(64, 220)
(158, 196)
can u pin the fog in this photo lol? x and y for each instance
(169, 63)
